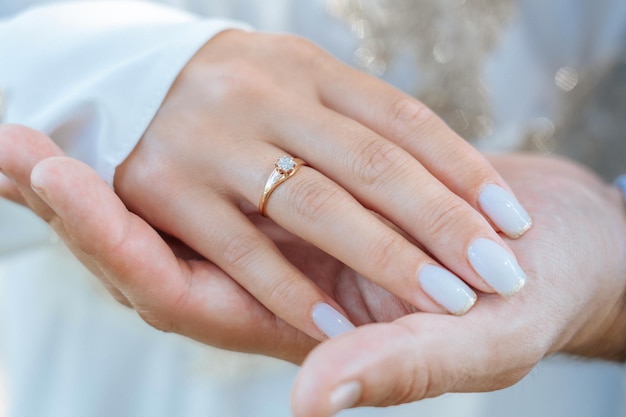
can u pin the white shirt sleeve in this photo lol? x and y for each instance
(93, 75)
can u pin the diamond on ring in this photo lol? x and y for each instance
(285, 164)
(284, 168)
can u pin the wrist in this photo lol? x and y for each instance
(603, 332)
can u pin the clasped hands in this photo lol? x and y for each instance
(394, 220)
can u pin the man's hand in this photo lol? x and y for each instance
(574, 302)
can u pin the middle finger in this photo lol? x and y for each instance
(318, 210)
(388, 180)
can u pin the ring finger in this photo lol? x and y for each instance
(391, 182)
(311, 206)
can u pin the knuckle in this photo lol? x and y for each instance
(314, 199)
(415, 387)
(296, 44)
(376, 161)
(114, 243)
(308, 53)
(285, 288)
(163, 314)
(239, 249)
(238, 82)
(232, 82)
(419, 381)
(443, 215)
(405, 115)
(251, 74)
(383, 254)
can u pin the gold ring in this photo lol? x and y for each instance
(284, 167)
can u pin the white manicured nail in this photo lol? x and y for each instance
(344, 396)
(331, 322)
(496, 266)
(504, 210)
(446, 289)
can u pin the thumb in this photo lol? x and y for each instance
(415, 357)
(378, 364)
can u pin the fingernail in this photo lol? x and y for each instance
(446, 289)
(344, 396)
(504, 210)
(497, 266)
(331, 322)
(35, 183)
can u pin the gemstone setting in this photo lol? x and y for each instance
(285, 164)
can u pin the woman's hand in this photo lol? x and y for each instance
(376, 158)
(173, 288)
(574, 302)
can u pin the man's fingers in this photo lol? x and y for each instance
(363, 368)
(126, 248)
(415, 357)
(193, 298)
(9, 190)
(22, 148)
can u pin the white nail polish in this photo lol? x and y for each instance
(331, 322)
(496, 266)
(344, 396)
(504, 210)
(446, 289)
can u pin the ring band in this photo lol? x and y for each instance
(284, 167)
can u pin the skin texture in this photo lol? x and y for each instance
(574, 301)
(246, 99)
(182, 244)
(170, 286)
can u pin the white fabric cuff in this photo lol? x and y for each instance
(92, 75)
